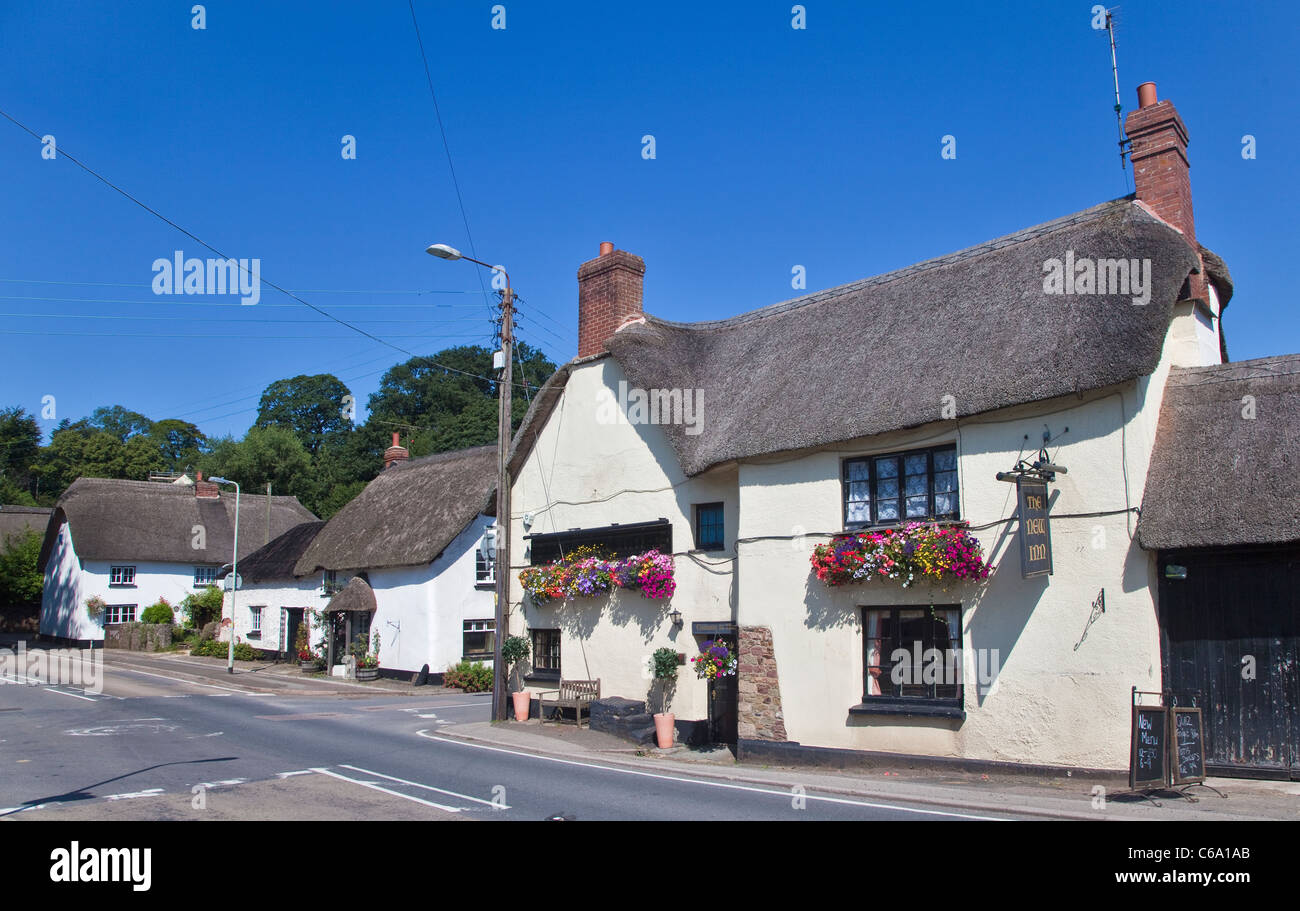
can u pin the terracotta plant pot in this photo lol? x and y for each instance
(523, 701)
(664, 729)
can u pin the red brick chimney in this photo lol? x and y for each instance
(395, 453)
(205, 490)
(1161, 171)
(609, 294)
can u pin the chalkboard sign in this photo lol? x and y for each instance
(1188, 742)
(1035, 530)
(1146, 767)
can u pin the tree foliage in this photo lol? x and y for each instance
(20, 579)
(304, 440)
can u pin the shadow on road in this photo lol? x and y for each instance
(84, 792)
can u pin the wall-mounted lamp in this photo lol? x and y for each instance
(676, 618)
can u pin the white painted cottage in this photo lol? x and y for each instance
(412, 558)
(272, 602)
(131, 543)
(740, 445)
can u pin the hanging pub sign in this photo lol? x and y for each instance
(1035, 532)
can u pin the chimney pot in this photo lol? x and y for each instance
(606, 248)
(1146, 94)
(395, 453)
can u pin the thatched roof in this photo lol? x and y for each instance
(147, 520)
(882, 354)
(14, 520)
(276, 559)
(356, 595)
(408, 514)
(1216, 270)
(1218, 477)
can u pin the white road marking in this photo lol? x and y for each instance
(283, 775)
(711, 784)
(49, 689)
(373, 786)
(32, 681)
(416, 784)
(224, 783)
(151, 792)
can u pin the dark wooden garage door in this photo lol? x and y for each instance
(1231, 633)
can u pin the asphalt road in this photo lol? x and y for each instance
(157, 743)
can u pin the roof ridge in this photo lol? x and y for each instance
(988, 246)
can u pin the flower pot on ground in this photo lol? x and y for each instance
(523, 703)
(514, 650)
(367, 662)
(664, 664)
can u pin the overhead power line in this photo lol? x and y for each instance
(63, 153)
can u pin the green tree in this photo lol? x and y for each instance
(120, 422)
(315, 408)
(20, 579)
(178, 443)
(264, 454)
(20, 446)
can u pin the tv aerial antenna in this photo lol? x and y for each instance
(1119, 107)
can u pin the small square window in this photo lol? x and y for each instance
(546, 652)
(121, 575)
(479, 640)
(709, 529)
(205, 576)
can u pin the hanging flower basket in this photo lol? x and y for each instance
(915, 552)
(714, 660)
(587, 572)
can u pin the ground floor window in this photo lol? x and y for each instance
(479, 640)
(546, 652)
(119, 613)
(913, 653)
(255, 622)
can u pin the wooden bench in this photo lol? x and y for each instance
(572, 694)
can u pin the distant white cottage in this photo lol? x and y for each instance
(410, 558)
(131, 543)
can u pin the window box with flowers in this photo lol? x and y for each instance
(907, 554)
(588, 571)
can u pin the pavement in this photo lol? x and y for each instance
(1025, 796)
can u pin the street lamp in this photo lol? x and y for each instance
(505, 388)
(234, 573)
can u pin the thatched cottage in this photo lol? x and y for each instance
(132, 543)
(823, 427)
(412, 558)
(272, 601)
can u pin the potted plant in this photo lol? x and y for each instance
(367, 661)
(514, 650)
(307, 659)
(664, 666)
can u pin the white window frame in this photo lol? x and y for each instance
(255, 615)
(123, 576)
(485, 558)
(488, 625)
(200, 572)
(117, 613)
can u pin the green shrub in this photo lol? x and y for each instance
(158, 613)
(515, 648)
(214, 648)
(203, 607)
(472, 677)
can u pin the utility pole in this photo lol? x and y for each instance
(505, 388)
(502, 567)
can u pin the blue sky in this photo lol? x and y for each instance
(774, 147)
